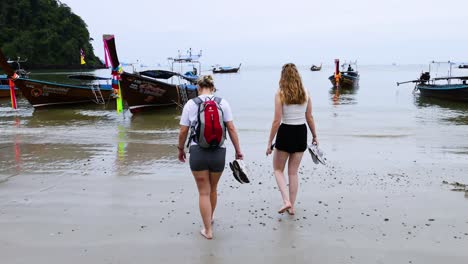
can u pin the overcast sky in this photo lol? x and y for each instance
(266, 32)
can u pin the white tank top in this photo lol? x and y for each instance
(294, 114)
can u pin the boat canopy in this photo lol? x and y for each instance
(159, 74)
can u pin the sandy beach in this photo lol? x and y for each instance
(361, 215)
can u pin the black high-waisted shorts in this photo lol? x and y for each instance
(207, 159)
(291, 138)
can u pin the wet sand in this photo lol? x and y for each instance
(362, 215)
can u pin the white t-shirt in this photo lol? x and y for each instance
(190, 112)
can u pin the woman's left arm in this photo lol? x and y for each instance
(310, 121)
(234, 139)
(183, 132)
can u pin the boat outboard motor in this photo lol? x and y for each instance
(425, 77)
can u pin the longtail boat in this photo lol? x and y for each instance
(348, 77)
(144, 91)
(44, 94)
(316, 68)
(455, 88)
(226, 69)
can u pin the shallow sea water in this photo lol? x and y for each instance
(376, 117)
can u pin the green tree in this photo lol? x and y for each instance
(46, 32)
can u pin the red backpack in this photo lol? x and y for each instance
(210, 130)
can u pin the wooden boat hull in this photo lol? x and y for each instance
(5, 91)
(226, 70)
(316, 68)
(143, 93)
(45, 94)
(346, 81)
(234, 70)
(5, 88)
(456, 92)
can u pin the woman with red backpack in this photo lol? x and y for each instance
(207, 118)
(293, 109)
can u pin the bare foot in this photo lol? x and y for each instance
(291, 211)
(205, 234)
(284, 208)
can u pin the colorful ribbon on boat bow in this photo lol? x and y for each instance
(11, 82)
(116, 87)
(115, 78)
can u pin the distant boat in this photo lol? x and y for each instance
(348, 77)
(316, 68)
(463, 66)
(222, 69)
(44, 94)
(431, 88)
(145, 91)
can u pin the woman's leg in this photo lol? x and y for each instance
(293, 167)
(214, 179)
(279, 162)
(202, 178)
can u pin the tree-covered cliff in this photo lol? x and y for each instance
(46, 32)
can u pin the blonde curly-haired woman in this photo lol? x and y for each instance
(293, 109)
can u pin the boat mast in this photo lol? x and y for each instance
(450, 71)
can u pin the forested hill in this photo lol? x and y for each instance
(46, 32)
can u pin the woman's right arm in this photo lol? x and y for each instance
(183, 132)
(276, 123)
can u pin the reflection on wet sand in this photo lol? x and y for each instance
(147, 139)
(73, 116)
(30, 158)
(343, 96)
(458, 110)
(69, 140)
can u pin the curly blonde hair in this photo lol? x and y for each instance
(206, 81)
(291, 90)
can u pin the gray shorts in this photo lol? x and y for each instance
(202, 159)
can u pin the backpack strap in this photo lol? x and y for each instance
(197, 100)
(192, 134)
(217, 99)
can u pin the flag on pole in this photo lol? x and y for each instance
(82, 55)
